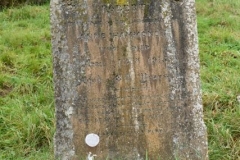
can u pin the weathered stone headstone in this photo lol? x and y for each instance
(126, 76)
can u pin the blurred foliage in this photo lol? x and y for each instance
(11, 3)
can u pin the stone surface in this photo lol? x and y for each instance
(127, 71)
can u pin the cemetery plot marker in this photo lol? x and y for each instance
(126, 76)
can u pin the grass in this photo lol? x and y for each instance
(219, 37)
(26, 92)
(27, 111)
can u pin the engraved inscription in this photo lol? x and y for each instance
(128, 60)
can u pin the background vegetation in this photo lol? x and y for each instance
(26, 92)
(219, 38)
(8, 3)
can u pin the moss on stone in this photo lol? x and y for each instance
(117, 2)
(122, 2)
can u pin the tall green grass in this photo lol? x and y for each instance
(26, 92)
(219, 39)
(26, 102)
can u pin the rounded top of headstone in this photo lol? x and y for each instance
(92, 140)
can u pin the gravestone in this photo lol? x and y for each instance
(126, 76)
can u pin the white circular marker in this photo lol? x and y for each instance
(92, 140)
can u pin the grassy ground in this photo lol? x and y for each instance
(219, 37)
(26, 92)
